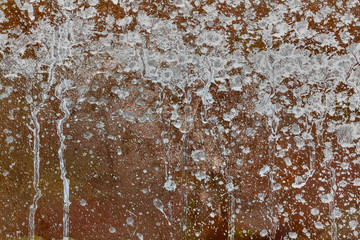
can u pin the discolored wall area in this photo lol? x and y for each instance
(179, 119)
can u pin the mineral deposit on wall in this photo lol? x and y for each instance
(179, 119)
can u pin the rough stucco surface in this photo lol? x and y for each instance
(179, 119)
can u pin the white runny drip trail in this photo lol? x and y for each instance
(66, 181)
(35, 110)
(36, 149)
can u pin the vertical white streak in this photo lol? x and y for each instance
(273, 125)
(66, 181)
(233, 217)
(36, 107)
(36, 150)
(184, 149)
(231, 220)
(64, 51)
(332, 205)
(271, 187)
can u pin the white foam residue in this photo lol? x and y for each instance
(198, 155)
(353, 224)
(263, 233)
(299, 182)
(9, 139)
(264, 170)
(319, 225)
(130, 221)
(293, 235)
(201, 175)
(7, 91)
(326, 198)
(356, 182)
(170, 185)
(315, 211)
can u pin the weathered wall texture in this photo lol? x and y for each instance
(179, 119)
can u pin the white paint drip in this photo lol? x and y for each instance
(36, 149)
(36, 177)
(66, 181)
(159, 205)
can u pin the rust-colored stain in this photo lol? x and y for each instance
(179, 119)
